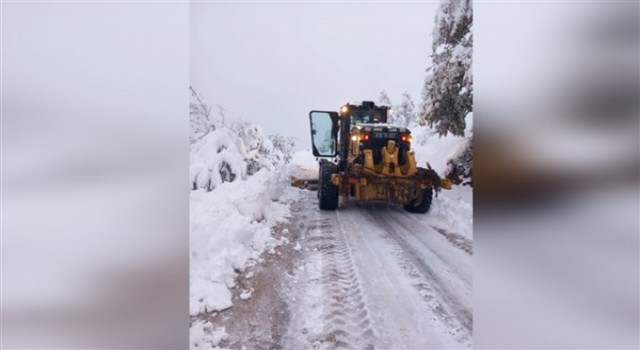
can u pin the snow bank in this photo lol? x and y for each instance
(452, 210)
(437, 150)
(230, 227)
(239, 191)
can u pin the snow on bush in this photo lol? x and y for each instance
(256, 144)
(282, 148)
(216, 158)
(263, 151)
(200, 117)
(227, 154)
(222, 153)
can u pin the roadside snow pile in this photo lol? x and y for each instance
(239, 191)
(452, 210)
(229, 227)
(438, 150)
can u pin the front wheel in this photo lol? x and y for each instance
(327, 191)
(424, 202)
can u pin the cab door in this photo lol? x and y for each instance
(324, 133)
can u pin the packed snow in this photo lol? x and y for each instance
(204, 336)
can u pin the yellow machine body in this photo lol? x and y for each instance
(387, 179)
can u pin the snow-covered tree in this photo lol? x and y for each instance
(220, 118)
(222, 153)
(282, 147)
(383, 100)
(448, 91)
(255, 143)
(216, 153)
(404, 114)
(203, 120)
(217, 157)
(263, 151)
(199, 117)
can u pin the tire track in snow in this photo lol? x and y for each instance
(442, 297)
(457, 240)
(356, 287)
(453, 311)
(397, 291)
(347, 322)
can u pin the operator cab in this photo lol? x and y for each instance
(369, 130)
(353, 129)
(366, 113)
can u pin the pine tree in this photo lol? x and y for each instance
(448, 92)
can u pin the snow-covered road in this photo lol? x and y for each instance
(362, 277)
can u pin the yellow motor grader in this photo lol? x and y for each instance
(363, 157)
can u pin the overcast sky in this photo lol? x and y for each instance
(271, 63)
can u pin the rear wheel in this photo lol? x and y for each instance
(327, 191)
(424, 204)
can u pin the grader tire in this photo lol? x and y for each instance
(424, 205)
(327, 191)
